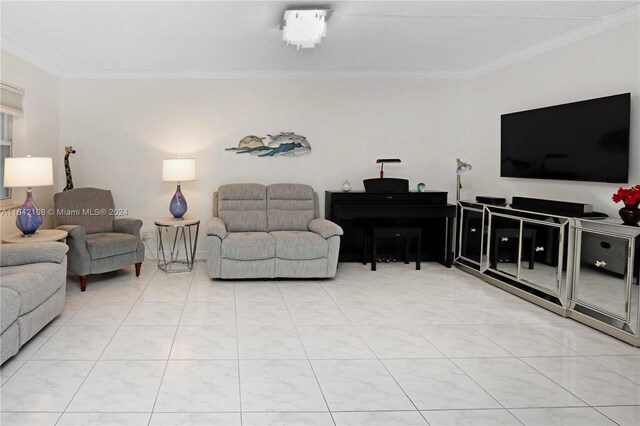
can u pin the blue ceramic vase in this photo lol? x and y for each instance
(178, 206)
(28, 219)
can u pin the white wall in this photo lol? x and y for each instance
(122, 129)
(37, 133)
(604, 64)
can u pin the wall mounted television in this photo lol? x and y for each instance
(579, 141)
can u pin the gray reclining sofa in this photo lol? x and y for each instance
(32, 291)
(270, 231)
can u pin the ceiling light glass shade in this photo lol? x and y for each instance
(178, 169)
(304, 28)
(28, 171)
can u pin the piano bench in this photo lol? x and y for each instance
(406, 233)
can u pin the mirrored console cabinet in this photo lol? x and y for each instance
(583, 269)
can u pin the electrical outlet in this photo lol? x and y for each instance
(145, 235)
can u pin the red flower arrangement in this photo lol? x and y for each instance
(629, 196)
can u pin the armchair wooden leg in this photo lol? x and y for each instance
(83, 282)
(138, 266)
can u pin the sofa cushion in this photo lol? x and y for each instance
(243, 207)
(248, 246)
(9, 307)
(290, 207)
(106, 244)
(299, 245)
(34, 283)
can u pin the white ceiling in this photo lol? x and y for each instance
(227, 38)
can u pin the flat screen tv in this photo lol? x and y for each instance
(581, 141)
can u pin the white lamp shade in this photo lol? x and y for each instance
(28, 171)
(178, 169)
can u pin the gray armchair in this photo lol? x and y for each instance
(98, 241)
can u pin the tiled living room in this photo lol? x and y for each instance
(210, 217)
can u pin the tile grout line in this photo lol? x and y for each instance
(445, 357)
(380, 361)
(355, 328)
(235, 312)
(590, 357)
(596, 408)
(306, 354)
(553, 381)
(166, 365)
(103, 350)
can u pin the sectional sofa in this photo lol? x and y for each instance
(32, 291)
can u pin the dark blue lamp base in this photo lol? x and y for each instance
(178, 205)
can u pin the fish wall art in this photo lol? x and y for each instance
(285, 143)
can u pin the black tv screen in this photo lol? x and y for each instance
(582, 141)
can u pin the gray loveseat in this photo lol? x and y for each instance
(270, 232)
(32, 291)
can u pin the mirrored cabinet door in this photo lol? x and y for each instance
(602, 281)
(541, 258)
(471, 235)
(504, 245)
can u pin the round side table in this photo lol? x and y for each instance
(42, 235)
(183, 236)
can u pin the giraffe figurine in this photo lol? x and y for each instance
(68, 150)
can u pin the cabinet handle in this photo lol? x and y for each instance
(505, 239)
(473, 229)
(601, 263)
(539, 248)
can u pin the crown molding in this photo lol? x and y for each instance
(267, 75)
(630, 14)
(30, 57)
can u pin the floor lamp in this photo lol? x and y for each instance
(462, 169)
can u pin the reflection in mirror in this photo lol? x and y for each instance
(602, 277)
(484, 259)
(540, 259)
(472, 229)
(504, 245)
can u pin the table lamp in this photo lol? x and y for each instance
(178, 170)
(28, 171)
(383, 161)
(462, 169)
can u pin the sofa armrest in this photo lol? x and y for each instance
(325, 228)
(127, 225)
(216, 227)
(75, 231)
(78, 258)
(26, 253)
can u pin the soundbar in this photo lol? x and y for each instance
(492, 201)
(561, 208)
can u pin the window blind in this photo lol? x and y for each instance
(11, 99)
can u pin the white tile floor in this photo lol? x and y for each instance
(392, 347)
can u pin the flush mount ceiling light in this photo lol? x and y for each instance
(304, 28)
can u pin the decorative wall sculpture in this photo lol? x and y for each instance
(68, 150)
(284, 143)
